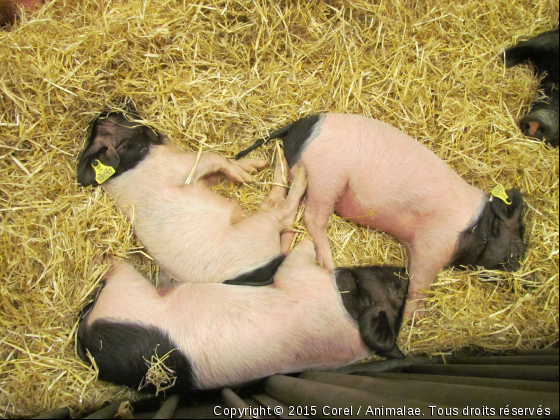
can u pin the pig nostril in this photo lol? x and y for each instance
(532, 128)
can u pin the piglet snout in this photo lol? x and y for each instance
(541, 124)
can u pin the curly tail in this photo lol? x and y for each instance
(278, 134)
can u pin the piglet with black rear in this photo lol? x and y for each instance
(211, 335)
(377, 176)
(542, 51)
(194, 233)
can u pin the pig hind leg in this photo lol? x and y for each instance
(279, 188)
(278, 193)
(285, 213)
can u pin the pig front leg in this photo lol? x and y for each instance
(425, 261)
(289, 274)
(315, 219)
(282, 216)
(239, 171)
(320, 205)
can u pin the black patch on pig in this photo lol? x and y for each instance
(375, 297)
(122, 350)
(117, 142)
(296, 137)
(262, 276)
(543, 52)
(495, 240)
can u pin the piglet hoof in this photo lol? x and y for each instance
(542, 125)
(414, 308)
(251, 166)
(326, 262)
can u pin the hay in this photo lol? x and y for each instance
(217, 74)
(159, 375)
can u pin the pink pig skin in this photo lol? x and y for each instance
(234, 334)
(389, 182)
(191, 231)
(195, 234)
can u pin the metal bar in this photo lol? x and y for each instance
(540, 352)
(540, 386)
(272, 404)
(168, 408)
(442, 395)
(385, 365)
(107, 412)
(336, 401)
(508, 360)
(234, 401)
(537, 373)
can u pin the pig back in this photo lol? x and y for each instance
(388, 179)
(234, 334)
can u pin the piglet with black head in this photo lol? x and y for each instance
(212, 335)
(378, 176)
(194, 233)
(542, 52)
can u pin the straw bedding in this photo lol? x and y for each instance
(217, 74)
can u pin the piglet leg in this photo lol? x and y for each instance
(277, 195)
(316, 223)
(424, 267)
(279, 188)
(301, 257)
(211, 163)
(281, 216)
(286, 212)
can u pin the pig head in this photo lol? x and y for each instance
(117, 141)
(542, 52)
(375, 297)
(495, 240)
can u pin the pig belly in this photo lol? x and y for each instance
(398, 224)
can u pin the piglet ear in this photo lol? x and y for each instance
(508, 211)
(516, 54)
(377, 330)
(105, 153)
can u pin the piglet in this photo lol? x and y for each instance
(194, 233)
(376, 175)
(542, 52)
(211, 335)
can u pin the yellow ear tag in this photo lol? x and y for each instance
(500, 192)
(102, 172)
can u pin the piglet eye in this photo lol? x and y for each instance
(496, 227)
